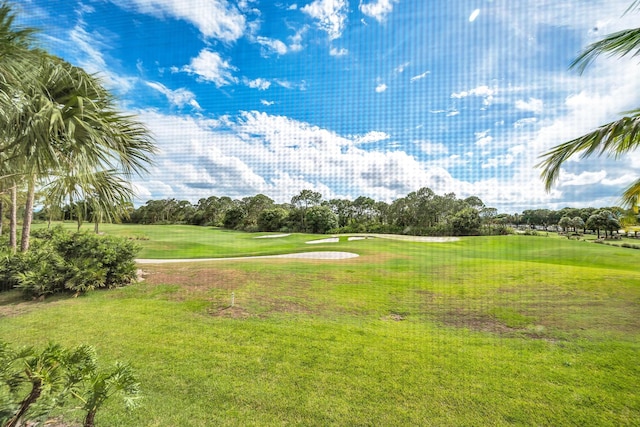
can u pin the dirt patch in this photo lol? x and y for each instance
(395, 317)
(235, 312)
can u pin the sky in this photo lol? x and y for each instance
(373, 98)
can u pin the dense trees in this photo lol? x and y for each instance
(420, 212)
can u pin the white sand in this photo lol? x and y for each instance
(329, 240)
(272, 236)
(427, 239)
(302, 255)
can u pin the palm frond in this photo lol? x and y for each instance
(635, 5)
(631, 195)
(619, 44)
(612, 139)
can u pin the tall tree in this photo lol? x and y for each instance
(612, 139)
(65, 122)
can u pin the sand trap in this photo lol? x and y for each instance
(272, 236)
(352, 238)
(329, 240)
(427, 239)
(302, 255)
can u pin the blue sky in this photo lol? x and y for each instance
(363, 97)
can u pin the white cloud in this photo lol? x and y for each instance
(179, 97)
(338, 52)
(267, 103)
(583, 178)
(432, 148)
(330, 14)
(296, 39)
(89, 53)
(378, 9)
(533, 104)
(474, 15)
(271, 46)
(482, 91)
(259, 83)
(209, 66)
(260, 153)
(419, 76)
(400, 68)
(528, 121)
(483, 138)
(373, 136)
(381, 88)
(291, 85)
(214, 18)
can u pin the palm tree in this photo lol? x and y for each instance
(66, 122)
(612, 139)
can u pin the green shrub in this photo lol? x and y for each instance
(79, 262)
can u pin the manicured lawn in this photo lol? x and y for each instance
(485, 331)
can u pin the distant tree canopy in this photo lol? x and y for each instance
(421, 212)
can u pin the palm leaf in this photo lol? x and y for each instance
(631, 195)
(612, 139)
(619, 44)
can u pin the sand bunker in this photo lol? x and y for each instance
(427, 239)
(329, 240)
(272, 236)
(328, 255)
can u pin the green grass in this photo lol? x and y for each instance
(513, 330)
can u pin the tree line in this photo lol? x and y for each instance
(421, 212)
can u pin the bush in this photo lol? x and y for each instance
(78, 262)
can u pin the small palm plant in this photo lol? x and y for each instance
(102, 385)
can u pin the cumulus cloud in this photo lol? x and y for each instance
(373, 136)
(533, 105)
(381, 88)
(483, 138)
(214, 18)
(482, 91)
(378, 9)
(256, 152)
(432, 148)
(179, 97)
(210, 67)
(271, 46)
(267, 103)
(338, 52)
(583, 178)
(259, 83)
(331, 15)
(295, 40)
